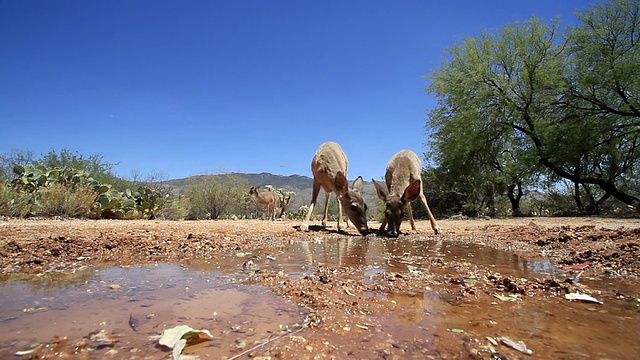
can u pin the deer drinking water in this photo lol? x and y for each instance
(266, 198)
(329, 167)
(403, 186)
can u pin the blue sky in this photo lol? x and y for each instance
(187, 87)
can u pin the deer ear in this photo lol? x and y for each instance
(411, 192)
(382, 192)
(341, 183)
(358, 184)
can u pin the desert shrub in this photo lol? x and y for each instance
(561, 203)
(215, 197)
(174, 209)
(63, 200)
(14, 203)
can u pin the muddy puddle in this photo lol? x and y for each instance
(421, 324)
(132, 304)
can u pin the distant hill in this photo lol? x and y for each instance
(289, 183)
(301, 185)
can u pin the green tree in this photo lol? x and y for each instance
(14, 157)
(605, 50)
(95, 164)
(216, 195)
(447, 194)
(490, 94)
(604, 87)
(519, 102)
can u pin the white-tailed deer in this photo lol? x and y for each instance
(404, 185)
(285, 198)
(329, 167)
(266, 198)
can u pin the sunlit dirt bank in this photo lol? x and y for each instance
(563, 288)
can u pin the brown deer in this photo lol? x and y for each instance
(329, 167)
(266, 198)
(403, 186)
(285, 199)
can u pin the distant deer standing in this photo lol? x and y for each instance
(329, 167)
(266, 198)
(404, 185)
(285, 198)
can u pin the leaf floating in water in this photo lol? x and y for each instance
(180, 336)
(519, 346)
(25, 352)
(576, 267)
(581, 297)
(178, 347)
(35, 310)
(512, 297)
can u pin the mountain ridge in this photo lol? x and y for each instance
(300, 184)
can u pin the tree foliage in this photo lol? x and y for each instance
(95, 165)
(67, 183)
(70, 192)
(11, 158)
(532, 103)
(216, 196)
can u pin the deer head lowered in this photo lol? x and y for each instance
(404, 185)
(329, 167)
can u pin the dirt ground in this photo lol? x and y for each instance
(593, 246)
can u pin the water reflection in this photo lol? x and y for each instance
(383, 254)
(198, 294)
(133, 303)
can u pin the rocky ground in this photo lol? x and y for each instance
(340, 303)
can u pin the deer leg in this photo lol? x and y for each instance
(434, 224)
(326, 208)
(346, 219)
(340, 228)
(314, 197)
(305, 226)
(274, 210)
(384, 223)
(413, 224)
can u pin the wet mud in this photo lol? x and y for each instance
(108, 289)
